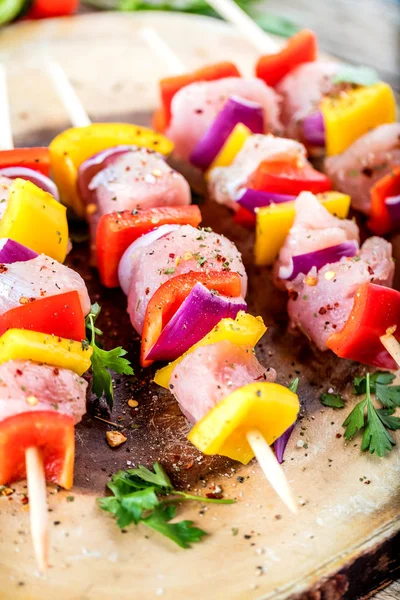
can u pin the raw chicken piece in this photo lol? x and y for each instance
(320, 303)
(195, 107)
(5, 183)
(225, 183)
(183, 250)
(367, 160)
(42, 276)
(26, 386)
(302, 90)
(137, 179)
(314, 228)
(210, 373)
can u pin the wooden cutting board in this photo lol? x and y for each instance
(344, 540)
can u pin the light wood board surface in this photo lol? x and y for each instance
(342, 521)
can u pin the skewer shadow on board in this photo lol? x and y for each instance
(262, 451)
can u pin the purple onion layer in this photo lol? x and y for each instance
(303, 263)
(252, 199)
(281, 443)
(42, 182)
(196, 316)
(11, 252)
(236, 110)
(313, 129)
(392, 203)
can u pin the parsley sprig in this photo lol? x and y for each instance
(136, 499)
(104, 361)
(374, 422)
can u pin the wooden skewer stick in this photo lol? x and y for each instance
(229, 10)
(164, 52)
(33, 459)
(38, 506)
(391, 344)
(73, 106)
(271, 468)
(6, 137)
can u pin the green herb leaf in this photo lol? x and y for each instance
(357, 75)
(375, 421)
(275, 24)
(182, 533)
(136, 499)
(376, 438)
(105, 360)
(294, 385)
(382, 377)
(332, 400)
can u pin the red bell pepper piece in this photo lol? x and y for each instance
(245, 218)
(43, 9)
(37, 159)
(51, 432)
(380, 221)
(375, 309)
(171, 85)
(116, 231)
(169, 297)
(301, 48)
(59, 315)
(289, 178)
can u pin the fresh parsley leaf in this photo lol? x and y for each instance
(360, 383)
(332, 400)
(376, 438)
(182, 533)
(357, 75)
(389, 395)
(147, 496)
(374, 421)
(294, 385)
(355, 421)
(105, 360)
(385, 415)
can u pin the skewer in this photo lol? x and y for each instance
(164, 52)
(38, 506)
(271, 468)
(265, 456)
(391, 344)
(257, 37)
(34, 464)
(65, 91)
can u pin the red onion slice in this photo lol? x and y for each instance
(236, 110)
(90, 167)
(313, 129)
(281, 443)
(252, 199)
(11, 252)
(303, 263)
(196, 316)
(43, 182)
(125, 264)
(392, 203)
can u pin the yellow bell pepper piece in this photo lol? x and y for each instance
(33, 218)
(268, 407)
(73, 146)
(348, 116)
(274, 222)
(231, 148)
(22, 344)
(244, 330)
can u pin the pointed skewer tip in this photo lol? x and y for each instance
(272, 469)
(38, 506)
